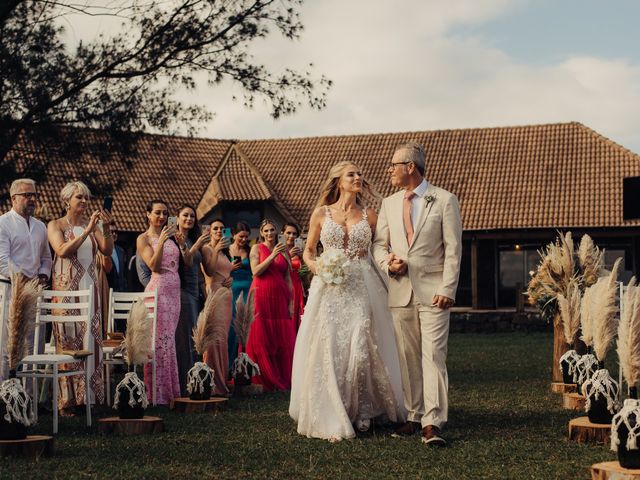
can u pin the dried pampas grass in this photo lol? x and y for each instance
(569, 306)
(22, 315)
(586, 320)
(629, 335)
(591, 260)
(139, 330)
(244, 318)
(213, 321)
(603, 311)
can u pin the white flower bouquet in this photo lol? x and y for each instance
(331, 266)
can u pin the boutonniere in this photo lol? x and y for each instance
(429, 199)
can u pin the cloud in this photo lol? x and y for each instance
(401, 66)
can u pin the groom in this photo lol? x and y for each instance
(418, 243)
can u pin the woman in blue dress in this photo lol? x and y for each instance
(241, 274)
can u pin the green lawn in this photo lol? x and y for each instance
(504, 423)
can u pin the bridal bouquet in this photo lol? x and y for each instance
(330, 266)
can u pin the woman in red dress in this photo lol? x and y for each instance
(291, 232)
(272, 335)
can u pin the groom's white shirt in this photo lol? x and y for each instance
(417, 203)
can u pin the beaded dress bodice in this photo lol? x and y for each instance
(354, 241)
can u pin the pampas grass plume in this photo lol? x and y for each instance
(22, 315)
(139, 330)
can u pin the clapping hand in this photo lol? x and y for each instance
(93, 221)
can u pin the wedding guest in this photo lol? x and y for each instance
(76, 239)
(115, 266)
(272, 335)
(159, 248)
(291, 232)
(241, 274)
(217, 268)
(189, 290)
(23, 248)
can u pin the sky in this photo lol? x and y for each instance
(413, 65)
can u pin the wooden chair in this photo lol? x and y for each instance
(120, 304)
(74, 307)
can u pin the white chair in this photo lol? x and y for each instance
(120, 304)
(73, 307)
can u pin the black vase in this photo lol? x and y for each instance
(128, 387)
(598, 412)
(10, 430)
(13, 430)
(631, 411)
(196, 394)
(240, 380)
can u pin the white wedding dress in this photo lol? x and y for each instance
(345, 364)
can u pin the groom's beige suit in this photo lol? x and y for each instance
(422, 330)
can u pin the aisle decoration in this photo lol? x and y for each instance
(601, 391)
(16, 409)
(625, 426)
(130, 395)
(243, 366)
(200, 381)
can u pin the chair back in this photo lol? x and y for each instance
(120, 304)
(64, 307)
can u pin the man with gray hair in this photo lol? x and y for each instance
(418, 243)
(23, 248)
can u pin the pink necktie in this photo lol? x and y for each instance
(406, 215)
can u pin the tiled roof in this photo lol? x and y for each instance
(541, 176)
(175, 169)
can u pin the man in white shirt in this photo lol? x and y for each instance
(23, 248)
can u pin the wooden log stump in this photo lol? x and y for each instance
(248, 390)
(612, 470)
(559, 387)
(139, 426)
(186, 405)
(581, 430)
(560, 347)
(34, 446)
(573, 401)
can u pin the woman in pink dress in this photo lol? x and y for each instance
(217, 268)
(159, 247)
(291, 232)
(273, 334)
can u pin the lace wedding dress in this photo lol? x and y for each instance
(345, 364)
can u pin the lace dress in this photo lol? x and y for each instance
(167, 282)
(345, 366)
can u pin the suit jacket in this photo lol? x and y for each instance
(117, 277)
(433, 259)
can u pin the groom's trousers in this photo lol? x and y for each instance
(421, 335)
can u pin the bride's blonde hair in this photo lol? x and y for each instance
(330, 192)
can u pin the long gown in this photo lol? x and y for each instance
(217, 355)
(272, 334)
(241, 284)
(189, 307)
(345, 366)
(78, 272)
(167, 282)
(298, 292)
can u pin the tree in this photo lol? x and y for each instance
(125, 83)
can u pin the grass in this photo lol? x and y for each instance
(504, 423)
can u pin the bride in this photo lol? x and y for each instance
(345, 363)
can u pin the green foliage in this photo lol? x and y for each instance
(124, 83)
(504, 423)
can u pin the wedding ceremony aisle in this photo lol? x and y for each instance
(504, 423)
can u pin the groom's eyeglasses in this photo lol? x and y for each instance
(394, 164)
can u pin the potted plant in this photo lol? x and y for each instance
(625, 426)
(243, 367)
(601, 390)
(16, 410)
(130, 396)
